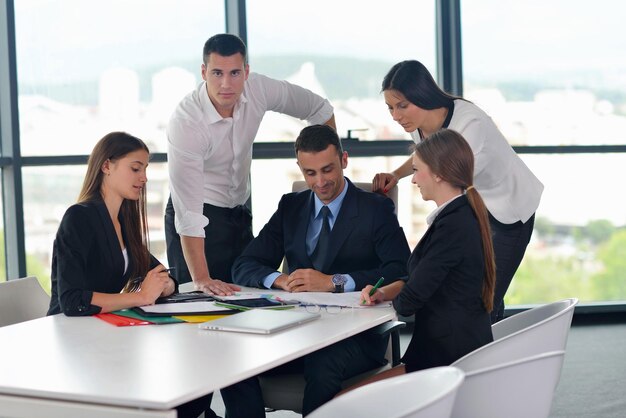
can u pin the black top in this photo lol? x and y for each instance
(444, 290)
(86, 258)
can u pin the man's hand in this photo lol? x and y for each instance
(306, 280)
(215, 287)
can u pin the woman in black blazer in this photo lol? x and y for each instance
(451, 271)
(100, 259)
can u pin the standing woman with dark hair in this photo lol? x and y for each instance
(451, 277)
(101, 248)
(510, 190)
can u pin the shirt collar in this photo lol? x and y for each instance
(334, 206)
(433, 214)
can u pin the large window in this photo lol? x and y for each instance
(549, 73)
(88, 68)
(340, 50)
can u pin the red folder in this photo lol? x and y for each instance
(121, 321)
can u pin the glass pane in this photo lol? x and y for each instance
(552, 75)
(3, 261)
(578, 248)
(340, 50)
(88, 68)
(49, 191)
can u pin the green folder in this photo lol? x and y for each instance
(154, 319)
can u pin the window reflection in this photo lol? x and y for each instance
(86, 69)
(49, 191)
(340, 50)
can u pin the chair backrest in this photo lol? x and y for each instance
(522, 388)
(545, 329)
(22, 300)
(367, 186)
(558, 313)
(426, 393)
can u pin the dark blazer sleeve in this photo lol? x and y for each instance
(264, 254)
(74, 242)
(390, 247)
(442, 251)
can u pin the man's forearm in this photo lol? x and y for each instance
(193, 250)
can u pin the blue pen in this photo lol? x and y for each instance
(375, 288)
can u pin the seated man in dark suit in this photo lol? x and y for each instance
(334, 237)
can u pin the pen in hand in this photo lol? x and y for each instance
(375, 288)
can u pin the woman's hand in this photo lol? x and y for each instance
(368, 300)
(383, 182)
(156, 283)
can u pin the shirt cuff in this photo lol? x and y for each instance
(270, 279)
(191, 224)
(350, 284)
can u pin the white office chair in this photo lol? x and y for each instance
(22, 300)
(426, 393)
(535, 331)
(553, 318)
(519, 389)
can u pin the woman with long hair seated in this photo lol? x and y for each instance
(100, 259)
(451, 278)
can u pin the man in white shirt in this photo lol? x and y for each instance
(210, 137)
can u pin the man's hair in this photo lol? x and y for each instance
(224, 44)
(316, 138)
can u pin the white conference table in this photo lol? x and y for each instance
(62, 366)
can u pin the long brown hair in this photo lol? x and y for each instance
(449, 156)
(132, 214)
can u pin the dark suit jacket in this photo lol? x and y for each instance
(444, 290)
(86, 258)
(366, 240)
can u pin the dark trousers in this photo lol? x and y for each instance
(242, 400)
(226, 236)
(509, 245)
(325, 370)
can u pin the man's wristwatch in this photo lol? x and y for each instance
(339, 280)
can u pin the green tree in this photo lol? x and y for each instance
(599, 231)
(546, 279)
(610, 283)
(33, 267)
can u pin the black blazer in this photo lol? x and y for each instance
(366, 240)
(444, 290)
(86, 258)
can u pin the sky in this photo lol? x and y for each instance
(63, 40)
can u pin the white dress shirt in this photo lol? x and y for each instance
(209, 156)
(510, 190)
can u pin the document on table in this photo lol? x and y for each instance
(346, 300)
(187, 308)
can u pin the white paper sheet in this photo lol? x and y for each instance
(188, 307)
